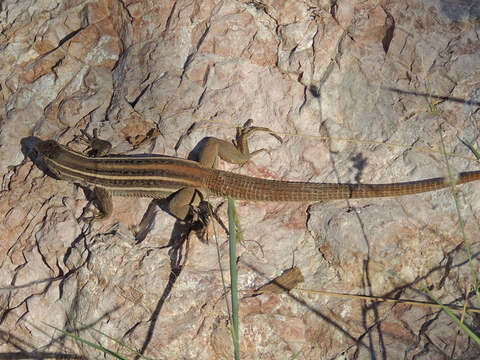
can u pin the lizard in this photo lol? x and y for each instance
(181, 180)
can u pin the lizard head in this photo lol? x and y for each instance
(48, 148)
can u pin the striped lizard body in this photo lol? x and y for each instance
(160, 176)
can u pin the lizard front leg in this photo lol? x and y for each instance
(98, 147)
(95, 145)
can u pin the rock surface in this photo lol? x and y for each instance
(343, 82)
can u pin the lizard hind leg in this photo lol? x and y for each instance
(244, 132)
(182, 201)
(235, 152)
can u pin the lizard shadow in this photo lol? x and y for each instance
(359, 163)
(27, 145)
(178, 245)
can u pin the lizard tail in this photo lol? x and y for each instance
(243, 187)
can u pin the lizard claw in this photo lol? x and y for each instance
(244, 132)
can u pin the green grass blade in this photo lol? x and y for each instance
(452, 181)
(294, 356)
(89, 343)
(464, 327)
(122, 344)
(233, 274)
(471, 148)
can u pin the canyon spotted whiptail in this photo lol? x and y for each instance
(159, 176)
